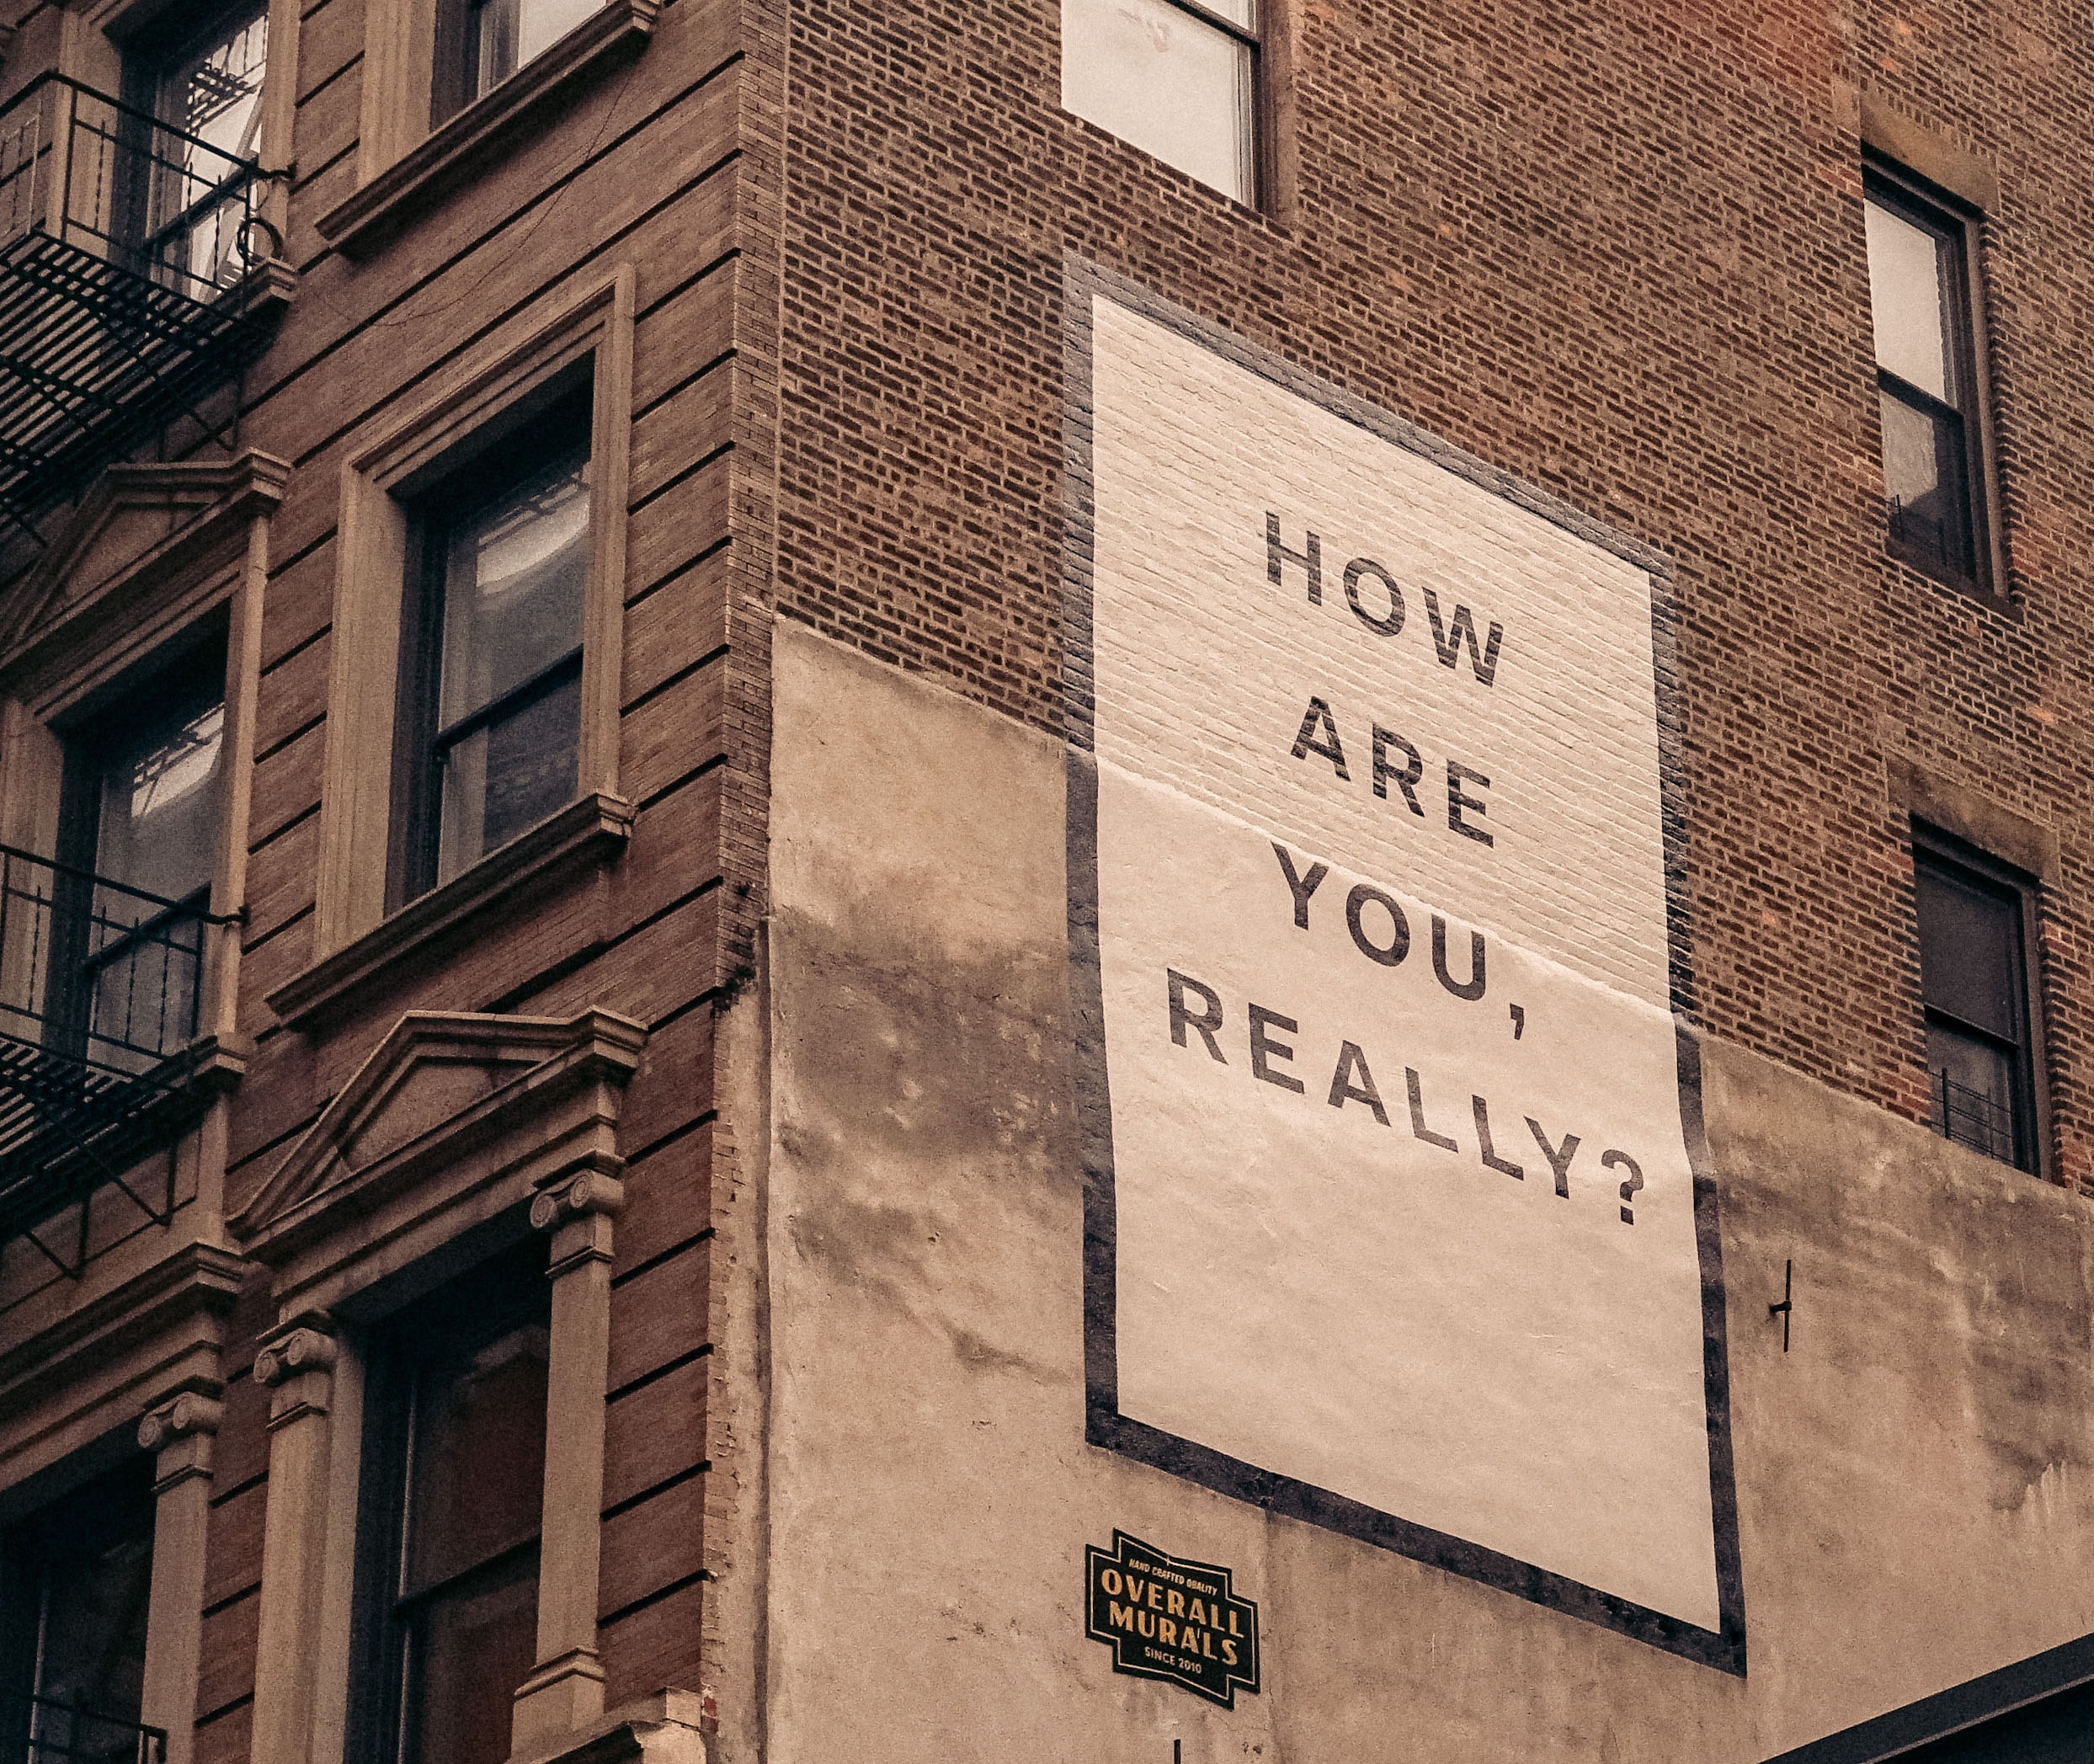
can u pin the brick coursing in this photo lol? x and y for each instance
(1615, 252)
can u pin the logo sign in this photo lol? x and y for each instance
(1167, 1617)
(1377, 933)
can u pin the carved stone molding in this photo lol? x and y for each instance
(303, 1349)
(190, 1413)
(298, 1364)
(591, 1190)
(665, 1728)
(138, 557)
(405, 190)
(454, 1119)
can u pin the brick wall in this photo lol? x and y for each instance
(1616, 252)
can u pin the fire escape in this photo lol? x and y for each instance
(127, 249)
(130, 256)
(101, 994)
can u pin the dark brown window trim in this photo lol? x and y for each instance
(1946, 851)
(406, 189)
(1906, 189)
(593, 828)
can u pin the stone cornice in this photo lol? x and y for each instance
(193, 1287)
(209, 502)
(548, 1110)
(398, 196)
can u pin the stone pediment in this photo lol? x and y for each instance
(448, 1099)
(138, 528)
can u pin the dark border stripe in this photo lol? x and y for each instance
(1723, 1647)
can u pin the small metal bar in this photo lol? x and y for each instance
(91, 1047)
(118, 281)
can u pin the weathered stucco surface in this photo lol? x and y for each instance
(1916, 1500)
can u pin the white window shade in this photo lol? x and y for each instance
(1169, 81)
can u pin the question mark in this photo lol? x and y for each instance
(1635, 1180)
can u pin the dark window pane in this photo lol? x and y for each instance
(448, 1578)
(509, 776)
(513, 590)
(83, 1569)
(1970, 951)
(1925, 480)
(502, 35)
(1973, 1095)
(474, 1647)
(1910, 274)
(479, 1456)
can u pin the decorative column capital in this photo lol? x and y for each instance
(189, 1414)
(305, 1347)
(594, 1190)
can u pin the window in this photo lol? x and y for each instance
(1975, 924)
(1177, 78)
(140, 828)
(481, 43)
(461, 720)
(491, 721)
(1923, 297)
(209, 89)
(74, 1582)
(455, 1472)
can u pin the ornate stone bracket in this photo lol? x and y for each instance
(566, 1690)
(180, 1432)
(298, 1364)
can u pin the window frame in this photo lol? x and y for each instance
(350, 1245)
(420, 739)
(381, 1668)
(358, 926)
(405, 162)
(1935, 848)
(1916, 200)
(1265, 39)
(196, 662)
(21, 1632)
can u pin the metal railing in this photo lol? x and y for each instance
(46, 1730)
(95, 971)
(101, 995)
(126, 246)
(1972, 1118)
(86, 169)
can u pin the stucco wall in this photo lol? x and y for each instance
(1913, 1474)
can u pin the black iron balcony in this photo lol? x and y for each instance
(1972, 1118)
(126, 246)
(101, 995)
(44, 1730)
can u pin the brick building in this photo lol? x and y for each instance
(1142, 879)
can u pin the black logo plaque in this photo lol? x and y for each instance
(1166, 1617)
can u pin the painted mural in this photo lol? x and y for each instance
(1395, 1222)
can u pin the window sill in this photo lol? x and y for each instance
(595, 829)
(397, 196)
(667, 1728)
(1969, 588)
(267, 288)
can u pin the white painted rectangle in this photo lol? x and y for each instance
(1300, 1281)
